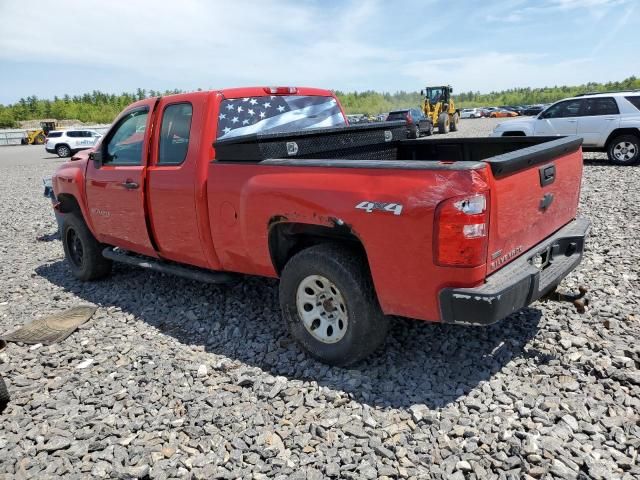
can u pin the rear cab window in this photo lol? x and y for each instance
(175, 133)
(277, 114)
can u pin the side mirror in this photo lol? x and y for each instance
(96, 157)
(422, 92)
(450, 89)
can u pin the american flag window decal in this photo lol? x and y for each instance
(276, 113)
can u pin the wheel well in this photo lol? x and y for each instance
(514, 134)
(622, 131)
(286, 239)
(68, 203)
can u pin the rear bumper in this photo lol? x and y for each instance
(50, 150)
(519, 283)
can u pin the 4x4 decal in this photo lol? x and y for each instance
(395, 208)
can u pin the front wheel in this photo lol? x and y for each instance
(443, 123)
(4, 394)
(82, 251)
(63, 151)
(624, 150)
(329, 304)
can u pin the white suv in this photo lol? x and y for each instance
(607, 122)
(470, 113)
(67, 142)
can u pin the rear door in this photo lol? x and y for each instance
(75, 138)
(599, 118)
(533, 202)
(560, 119)
(115, 189)
(174, 182)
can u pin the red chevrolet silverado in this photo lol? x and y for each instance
(358, 222)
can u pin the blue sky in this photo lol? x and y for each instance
(75, 46)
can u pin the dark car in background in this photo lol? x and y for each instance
(418, 123)
(533, 110)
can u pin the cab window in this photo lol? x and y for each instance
(570, 108)
(174, 134)
(125, 144)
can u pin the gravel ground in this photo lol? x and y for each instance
(172, 378)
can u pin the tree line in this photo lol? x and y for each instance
(100, 107)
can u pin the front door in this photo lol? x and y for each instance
(559, 119)
(115, 188)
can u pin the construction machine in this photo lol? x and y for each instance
(440, 108)
(38, 136)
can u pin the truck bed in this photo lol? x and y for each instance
(524, 207)
(384, 145)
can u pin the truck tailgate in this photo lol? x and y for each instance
(535, 192)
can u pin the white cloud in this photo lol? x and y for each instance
(229, 42)
(494, 71)
(597, 9)
(355, 45)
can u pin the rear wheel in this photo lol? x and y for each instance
(429, 130)
(82, 251)
(39, 140)
(418, 132)
(624, 150)
(443, 123)
(329, 305)
(454, 122)
(63, 151)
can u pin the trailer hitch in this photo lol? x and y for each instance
(579, 300)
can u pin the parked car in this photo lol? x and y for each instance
(470, 113)
(473, 241)
(607, 122)
(488, 110)
(65, 143)
(532, 110)
(418, 123)
(502, 113)
(511, 108)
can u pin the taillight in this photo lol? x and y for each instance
(461, 225)
(281, 90)
(409, 118)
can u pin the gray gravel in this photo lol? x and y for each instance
(173, 378)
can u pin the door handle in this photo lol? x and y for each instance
(572, 121)
(547, 174)
(129, 185)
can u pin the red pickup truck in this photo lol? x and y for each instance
(358, 222)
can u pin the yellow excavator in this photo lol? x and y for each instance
(38, 136)
(440, 108)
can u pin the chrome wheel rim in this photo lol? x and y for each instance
(624, 151)
(322, 309)
(64, 151)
